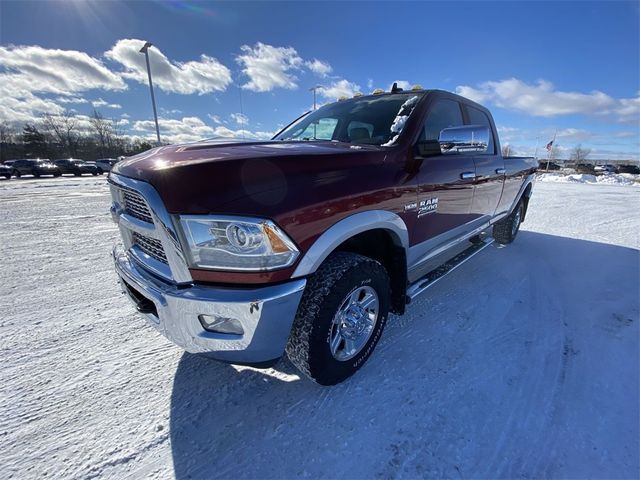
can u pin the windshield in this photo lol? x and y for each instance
(365, 120)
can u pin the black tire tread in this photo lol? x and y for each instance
(502, 230)
(319, 287)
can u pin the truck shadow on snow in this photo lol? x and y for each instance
(482, 371)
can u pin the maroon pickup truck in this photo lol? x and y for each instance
(303, 244)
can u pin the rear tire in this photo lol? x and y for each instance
(17, 174)
(506, 230)
(340, 318)
(8, 176)
(36, 174)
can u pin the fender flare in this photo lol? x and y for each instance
(347, 228)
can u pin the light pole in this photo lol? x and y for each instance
(313, 89)
(145, 50)
(315, 124)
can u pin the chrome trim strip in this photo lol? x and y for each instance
(136, 225)
(162, 229)
(419, 286)
(347, 228)
(425, 251)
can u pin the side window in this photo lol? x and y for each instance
(443, 114)
(478, 117)
(322, 129)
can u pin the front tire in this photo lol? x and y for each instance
(340, 318)
(505, 230)
(17, 174)
(36, 174)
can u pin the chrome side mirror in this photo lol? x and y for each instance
(470, 138)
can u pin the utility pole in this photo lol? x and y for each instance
(145, 50)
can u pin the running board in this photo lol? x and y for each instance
(431, 278)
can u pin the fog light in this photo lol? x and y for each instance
(216, 324)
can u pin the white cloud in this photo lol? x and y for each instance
(370, 83)
(339, 88)
(319, 67)
(64, 72)
(239, 118)
(191, 129)
(71, 99)
(203, 76)
(26, 71)
(269, 67)
(215, 118)
(103, 103)
(543, 100)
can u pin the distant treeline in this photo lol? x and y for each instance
(66, 135)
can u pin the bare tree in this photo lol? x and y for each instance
(64, 128)
(507, 150)
(6, 132)
(102, 129)
(579, 154)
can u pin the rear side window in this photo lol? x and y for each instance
(478, 117)
(443, 114)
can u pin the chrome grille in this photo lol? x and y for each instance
(150, 246)
(135, 205)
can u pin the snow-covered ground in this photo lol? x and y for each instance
(607, 179)
(522, 363)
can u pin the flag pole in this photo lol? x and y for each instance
(553, 144)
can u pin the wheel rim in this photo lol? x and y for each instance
(516, 221)
(354, 323)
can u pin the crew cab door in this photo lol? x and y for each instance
(445, 185)
(490, 169)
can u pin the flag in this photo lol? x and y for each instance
(549, 146)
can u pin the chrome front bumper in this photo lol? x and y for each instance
(266, 314)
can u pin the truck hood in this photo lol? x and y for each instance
(199, 178)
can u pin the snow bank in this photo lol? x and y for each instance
(610, 179)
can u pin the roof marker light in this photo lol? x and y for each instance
(378, 91)
(417, 87)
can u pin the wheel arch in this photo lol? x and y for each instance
(377, 234)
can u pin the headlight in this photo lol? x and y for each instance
(236, 243)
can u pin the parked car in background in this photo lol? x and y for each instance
(93, 163)
(8, 162)
(76, 167)
(628, 168)
(604, 168)
(37, 168)
(5, 171)
(105, 164)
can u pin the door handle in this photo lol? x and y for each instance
(467, 175)
(500, 171)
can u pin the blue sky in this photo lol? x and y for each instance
(540, 66)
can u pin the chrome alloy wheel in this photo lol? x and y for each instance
(354, 323)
